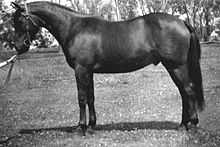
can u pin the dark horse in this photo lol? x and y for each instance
(93, 45)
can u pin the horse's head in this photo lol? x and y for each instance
(25, 28)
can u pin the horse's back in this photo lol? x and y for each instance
(160, 33)
(114, 47)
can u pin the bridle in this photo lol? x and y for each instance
(28, 17)
(27, 42)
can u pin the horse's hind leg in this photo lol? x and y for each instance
(182, 80)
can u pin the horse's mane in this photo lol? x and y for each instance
(61, 7)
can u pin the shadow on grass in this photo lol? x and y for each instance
(123, 126)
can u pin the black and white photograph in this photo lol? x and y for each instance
(109, 73)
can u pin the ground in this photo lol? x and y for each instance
(140, 109)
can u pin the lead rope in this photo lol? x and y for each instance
(9, 75)
(12, 61)
(9, 61)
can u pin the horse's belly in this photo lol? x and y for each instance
(117, 68)
(124, 65)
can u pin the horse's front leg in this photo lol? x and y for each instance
(83, 80)
(90, 102)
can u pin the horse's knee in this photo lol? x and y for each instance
(82, 96)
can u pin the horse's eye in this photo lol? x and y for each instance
(26, 42)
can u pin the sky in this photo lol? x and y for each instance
(63, 2)
(8, 2)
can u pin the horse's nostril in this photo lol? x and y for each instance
(15, 47)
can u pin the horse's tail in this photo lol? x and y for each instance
(194, 56)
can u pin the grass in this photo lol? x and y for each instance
(141, 108)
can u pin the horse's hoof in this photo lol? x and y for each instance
(91, 130)
(194, 121)
(81, 130)
(83, 127)
(182, 127)
(192, 127)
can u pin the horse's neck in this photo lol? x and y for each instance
(56, 20)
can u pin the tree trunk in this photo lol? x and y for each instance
(207, 27)
(200, 26)
(74, 5)
(164, 5)
(117, 10)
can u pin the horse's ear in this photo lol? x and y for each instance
(16, 6)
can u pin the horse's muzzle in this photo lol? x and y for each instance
(22, 49)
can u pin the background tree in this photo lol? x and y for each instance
(6, 29)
